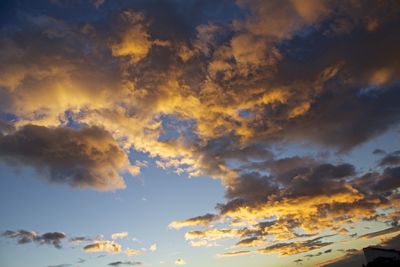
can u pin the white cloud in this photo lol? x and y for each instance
(153, 247)
(119, 235)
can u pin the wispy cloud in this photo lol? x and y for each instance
(180, 262)
(125, 263)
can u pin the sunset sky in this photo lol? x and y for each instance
(199, 133)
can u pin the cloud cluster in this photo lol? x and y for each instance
(295, 247)
(285, 211)
(103, 246)
(201, 97)
(90, 245)
(86, 158)
(24, 237)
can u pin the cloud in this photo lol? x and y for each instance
(103, 246)
(180, 262)
(80, 239)
(212, 234)
(55, 238)
(250, 242)
(24, 237)
(200, 220)
(132, 252)
(123, 263)
(234, 253)
(318, 254)
(266, 212)
(390, 159)
(382, 232)
(355, 257)
(153, 247)
(295, 247)
(86, 158)
(120, 235)
(134, 41)
(378, 152)
(110, 247)
(200, 243)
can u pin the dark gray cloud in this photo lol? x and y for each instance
(300, 177)
(87, 158)
(54, 238)
(308, 105)
(318, 254)
(296, 247)
(247, 241)
(234, 253)
(381, 182)
(24, 237)
(378, 152)
(195, 221)
(334, 115)
(251, 186)
(125, 263)
(392, 243)
(381, 232)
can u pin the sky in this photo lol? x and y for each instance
(198, 132)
